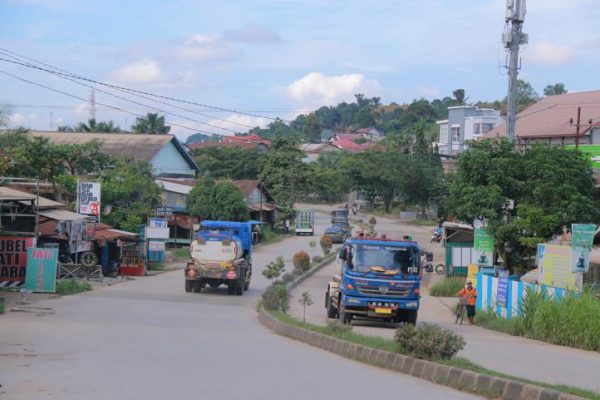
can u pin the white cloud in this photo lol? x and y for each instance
(141, 72)
(317, 89)
(207, 48)
(240, 123)
(17, 119)
(252, 34)
(81, 109)
(549, 53)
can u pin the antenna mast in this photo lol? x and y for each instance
(512, 39)
(93, 104)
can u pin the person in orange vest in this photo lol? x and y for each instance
(470, 293)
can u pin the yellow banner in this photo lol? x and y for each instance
(557, 267)
(472, 273)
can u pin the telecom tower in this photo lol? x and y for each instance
(93, 104)
(512, 38)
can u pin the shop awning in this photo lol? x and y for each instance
(62, 215)
(114, 234)
(264, 207)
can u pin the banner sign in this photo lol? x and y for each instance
(157, 233)
(156, 246)
(539, 262)
(89, 198)
(13, 259)
(157, 223)
(557, 270)
(472, 272)
(41, 269)
(582, 242)
(483, 247)
(502, 291)
(164, 211)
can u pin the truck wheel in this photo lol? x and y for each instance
(239, 288)
(231, 288)
(411, 317)
(198, 286)
(331, 311)
(247, 284)
(345, 317)
(189, 286)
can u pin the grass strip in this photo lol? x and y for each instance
(380, 343)
(447, 287)
(71, 286)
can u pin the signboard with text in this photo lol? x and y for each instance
(582, 242)
(13, 259)
(502, 293)
(556, 263)
(156, 246)
(41, 269)
(483, 248)
(89, 198)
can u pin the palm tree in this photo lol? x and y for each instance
(92, 126)
(152, 124)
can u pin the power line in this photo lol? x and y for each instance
(98, 103)
(126, 99)
(63, 72)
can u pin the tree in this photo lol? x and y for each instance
(131, 192)
(551, 187)
(312, 129)
(306, 301)
(557, 88)
(459, 96)
(526, 95)
(151, 124)
(284, 172)
(274, 269)
(91, 126)
(217, 201)
(229, 162)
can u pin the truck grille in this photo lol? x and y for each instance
(391, 292)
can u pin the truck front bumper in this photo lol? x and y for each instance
(365, 305)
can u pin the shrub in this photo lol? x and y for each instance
(489, 320)
(447, 287)
(274, 269)
(337, 328)
(312, 244)
(2, 305)
(287, 277)
(428, 341)
(372, 221)
(317, 259)
(301, 261)
(71, 286)
(326, 244)
(275, 297)
(297, 272)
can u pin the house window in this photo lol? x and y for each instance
(481, 128)
(455, 134)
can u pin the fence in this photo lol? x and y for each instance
(487, 299)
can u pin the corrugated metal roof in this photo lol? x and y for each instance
(551, 116)
(7, 193)
(141, 147)
(47, 203)
(171, 186)
(62, 215)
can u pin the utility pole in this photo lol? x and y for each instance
(512, 39)
(93, 104)
(578, 127)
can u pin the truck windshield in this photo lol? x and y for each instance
(382, 259)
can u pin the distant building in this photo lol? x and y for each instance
(553, 120)
(164, 152)
(241, 141)
(465, 123)
(312, 151)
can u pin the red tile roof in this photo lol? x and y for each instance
(550, 117)
(246, 186)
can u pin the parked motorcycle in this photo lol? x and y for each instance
(437, 236)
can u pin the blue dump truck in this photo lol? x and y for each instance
(220, 254)
(378, 278)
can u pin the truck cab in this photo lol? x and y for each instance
(378, 278)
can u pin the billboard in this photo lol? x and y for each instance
(556, 267)
(13, 259)
(89, 198)
(582, 242)
(483, 248)
(41, 269)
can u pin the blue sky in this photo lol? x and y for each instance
(278, 58)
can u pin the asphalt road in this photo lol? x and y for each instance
(148, 339)
(509, 354)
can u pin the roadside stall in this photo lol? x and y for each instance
(458, 240)
(109, 244)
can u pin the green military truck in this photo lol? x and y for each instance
(305, 222)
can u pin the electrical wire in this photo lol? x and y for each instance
(138, 103)
(63, 72)
(100, 104)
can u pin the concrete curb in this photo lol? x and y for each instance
(462, 379)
